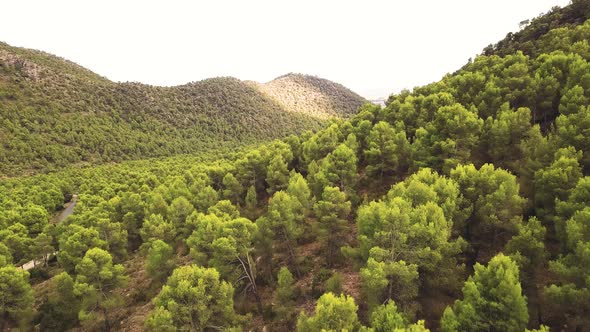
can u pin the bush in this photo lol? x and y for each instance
(318, 283)
(334, 283)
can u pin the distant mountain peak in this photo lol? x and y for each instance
(312, 95)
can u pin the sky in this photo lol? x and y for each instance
(374, 47)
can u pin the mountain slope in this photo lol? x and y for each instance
(312, 95)
(55, 113)
(451, 196)
(556, 20)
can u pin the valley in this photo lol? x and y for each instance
(296, 204)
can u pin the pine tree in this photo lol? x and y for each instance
(277, 175)
(16, 295)
(285, 297)
(299, 189)
(96, 281)
(387, 150)
(492, 300)
(233, 189)
(251, 199)
(332, 212)
(280, 229)
(206, 300)
(159, 260)
(332, 313)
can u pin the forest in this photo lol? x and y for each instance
(462, 205)
(56, 114)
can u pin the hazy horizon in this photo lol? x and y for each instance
(374, 48)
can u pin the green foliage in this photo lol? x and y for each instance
(502, 131)
(42, 248)
(321, 144)
(194, 298)
(115, 236)
(156, 228)
(428, 186)
(204, 197)
(60, 312)
(577, 200)
(385, 280)
(492, 197)
(340, 168)
(503, 136)
(386, 318)
(420, 235)
(332, 212)
(178, 212)
(285, 296)
(16, 238)
(160, 320)
(226, 245)
(232, 188)
(34, 218)
(387, 150)
(160, 260)
(527, 248)
(74, 244)
(447, 139)
(542, 328)
(299, 189)
(492, 300)
(16, 295)
(251, 199)
(546, 32)
(285, 289)
(334, 283)
(332, 313)
(45, 100)
(277, 175)
(570, 298)
(96, 281)
(555, 181)
(5, 255)
(280, 228)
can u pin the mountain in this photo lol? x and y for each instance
(55, 113)
(527, 39)
(322, 98)
(462, 205)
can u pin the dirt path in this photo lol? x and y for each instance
(59, 218)
(68, 210)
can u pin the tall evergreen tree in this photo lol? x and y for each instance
(332, 212)
(193, 299)
(492, 300)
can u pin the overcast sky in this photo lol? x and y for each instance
(373, 47)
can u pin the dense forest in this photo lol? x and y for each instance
(459, 206)
(56, 114)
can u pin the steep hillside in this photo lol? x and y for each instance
(463, 205)
(527, 39)
(56, 113)
(312, 95)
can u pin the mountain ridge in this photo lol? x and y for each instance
(56, 113)
(462, 205)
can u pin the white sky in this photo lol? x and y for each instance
(374, 47)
